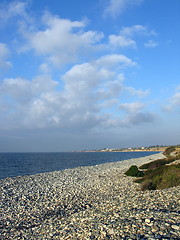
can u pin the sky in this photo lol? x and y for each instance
(84, 75)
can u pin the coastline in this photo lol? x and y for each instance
(93, 202)
(151, 150)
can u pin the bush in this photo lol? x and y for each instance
(170, 177)
(156, 163)
(148, 185)
(158, 174)
(133, 171)
(161, 177)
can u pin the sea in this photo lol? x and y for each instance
(20, 164)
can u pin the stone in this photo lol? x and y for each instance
(175, 227)
(54, 205)
(111, 231)
(147, 220)
(155, 229)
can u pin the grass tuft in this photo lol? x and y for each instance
(158, 174)
(160, 178)
(156, 163)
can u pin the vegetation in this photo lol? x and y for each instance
(133, 171)
(172, 152)
(156, 163)
(159, 174)
(169, 150)
(161, 177)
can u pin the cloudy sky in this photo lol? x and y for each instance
(81, 74)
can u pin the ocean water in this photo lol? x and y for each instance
(19, 164)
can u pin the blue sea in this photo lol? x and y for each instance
(19, 164)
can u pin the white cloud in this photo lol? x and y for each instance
(29, 103)
(121, 41)
(132, 107)
(135, 92)
(151, 44)
(110, 90)
(55, 36)
(110, 103)
(135, 114)
(90, 83)
(115, 60)
(85, 101)
(117, 7)
(174, 101)
(87, 96)
(20, 88)
(136, 29)
(44, 67)
(61, 40)
(138, 118)
(4, 55)
(14, 9)
(127, 34)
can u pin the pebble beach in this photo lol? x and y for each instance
(94, 202)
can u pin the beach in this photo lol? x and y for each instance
(94, 202)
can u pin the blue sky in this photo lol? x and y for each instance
(80, 74)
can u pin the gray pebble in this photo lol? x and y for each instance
(95, 202)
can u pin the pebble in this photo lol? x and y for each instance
(147, 220)
(94, 202)
(175, 227)
(155, 229)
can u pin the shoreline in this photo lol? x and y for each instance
(24, 169)
(91, 202)
(101, 151)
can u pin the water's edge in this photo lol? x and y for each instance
(100, 163)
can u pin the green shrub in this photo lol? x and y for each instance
(161, 177)
(139, 180)
(156, 163)
(148, 185)
(170, 177)
(133, 171)
(158, 174)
